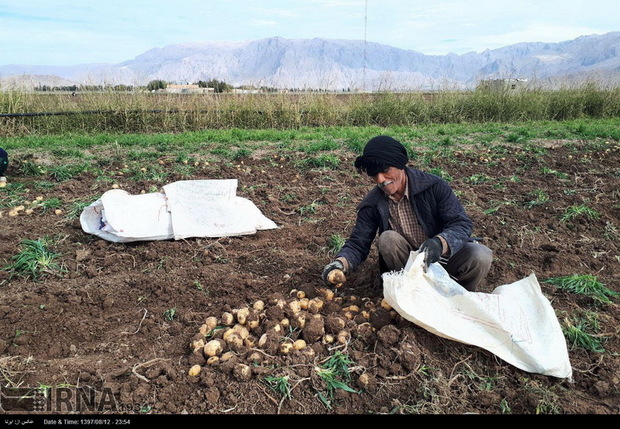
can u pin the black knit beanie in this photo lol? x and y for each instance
(380, 153)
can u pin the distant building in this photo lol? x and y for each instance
(187, 89)
(245, 91)
(513, 84)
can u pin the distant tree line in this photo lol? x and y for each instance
(48, 88)
(90, 88)
(155, 85)
(218, 86)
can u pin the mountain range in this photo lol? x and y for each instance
(341, 65)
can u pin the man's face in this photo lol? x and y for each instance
(391, 181)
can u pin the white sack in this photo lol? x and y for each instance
(121, 217)
(188, 208)
(515, 322)
(212, 209)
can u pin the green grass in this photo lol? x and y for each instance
(110, 147)
(169, 314)
(335, 243)
(280, 385)
(477, 179)
(131, 113)
(50, 204)
(76, 208)
(329, 161)
(335, 373)
(583, 332)
(35, 260)
(539, 197)
(584, 284)
(574, 212)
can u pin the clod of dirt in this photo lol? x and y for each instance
(388, 335)
(380, 317)
(314, 329)
(366, 332)
(410, 356)
(334, 323)
(366, 381)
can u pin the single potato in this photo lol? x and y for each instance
(336, 277)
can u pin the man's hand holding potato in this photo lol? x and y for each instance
(333, 274)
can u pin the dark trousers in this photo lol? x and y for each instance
(469, 266)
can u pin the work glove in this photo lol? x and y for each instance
(335, 265)
(432, 249)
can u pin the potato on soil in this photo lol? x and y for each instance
(194, 371)
(234, 341)
(211, 323)
(255, 357)
(336, 277)
(213, 360)
(298, 321)
(227, 319)
(242, 315)
(226, 356)
(214, 347)
(285, 348)
(327, 294)
(299, 344)
(343, 337)
(253, 319)
(315, 305)
(204, 330)
(197, 344)
(294, 307)
(262, 340)
(303, 303)
(241, 330)
(352, 308)
(250, 341)
(242, 372)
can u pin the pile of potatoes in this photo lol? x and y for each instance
(246, 339)
(27, 208)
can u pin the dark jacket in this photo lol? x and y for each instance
(438, 210)
(4, 161)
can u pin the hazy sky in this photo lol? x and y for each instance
(68, 32)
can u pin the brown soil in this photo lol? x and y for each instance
(106, 322)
